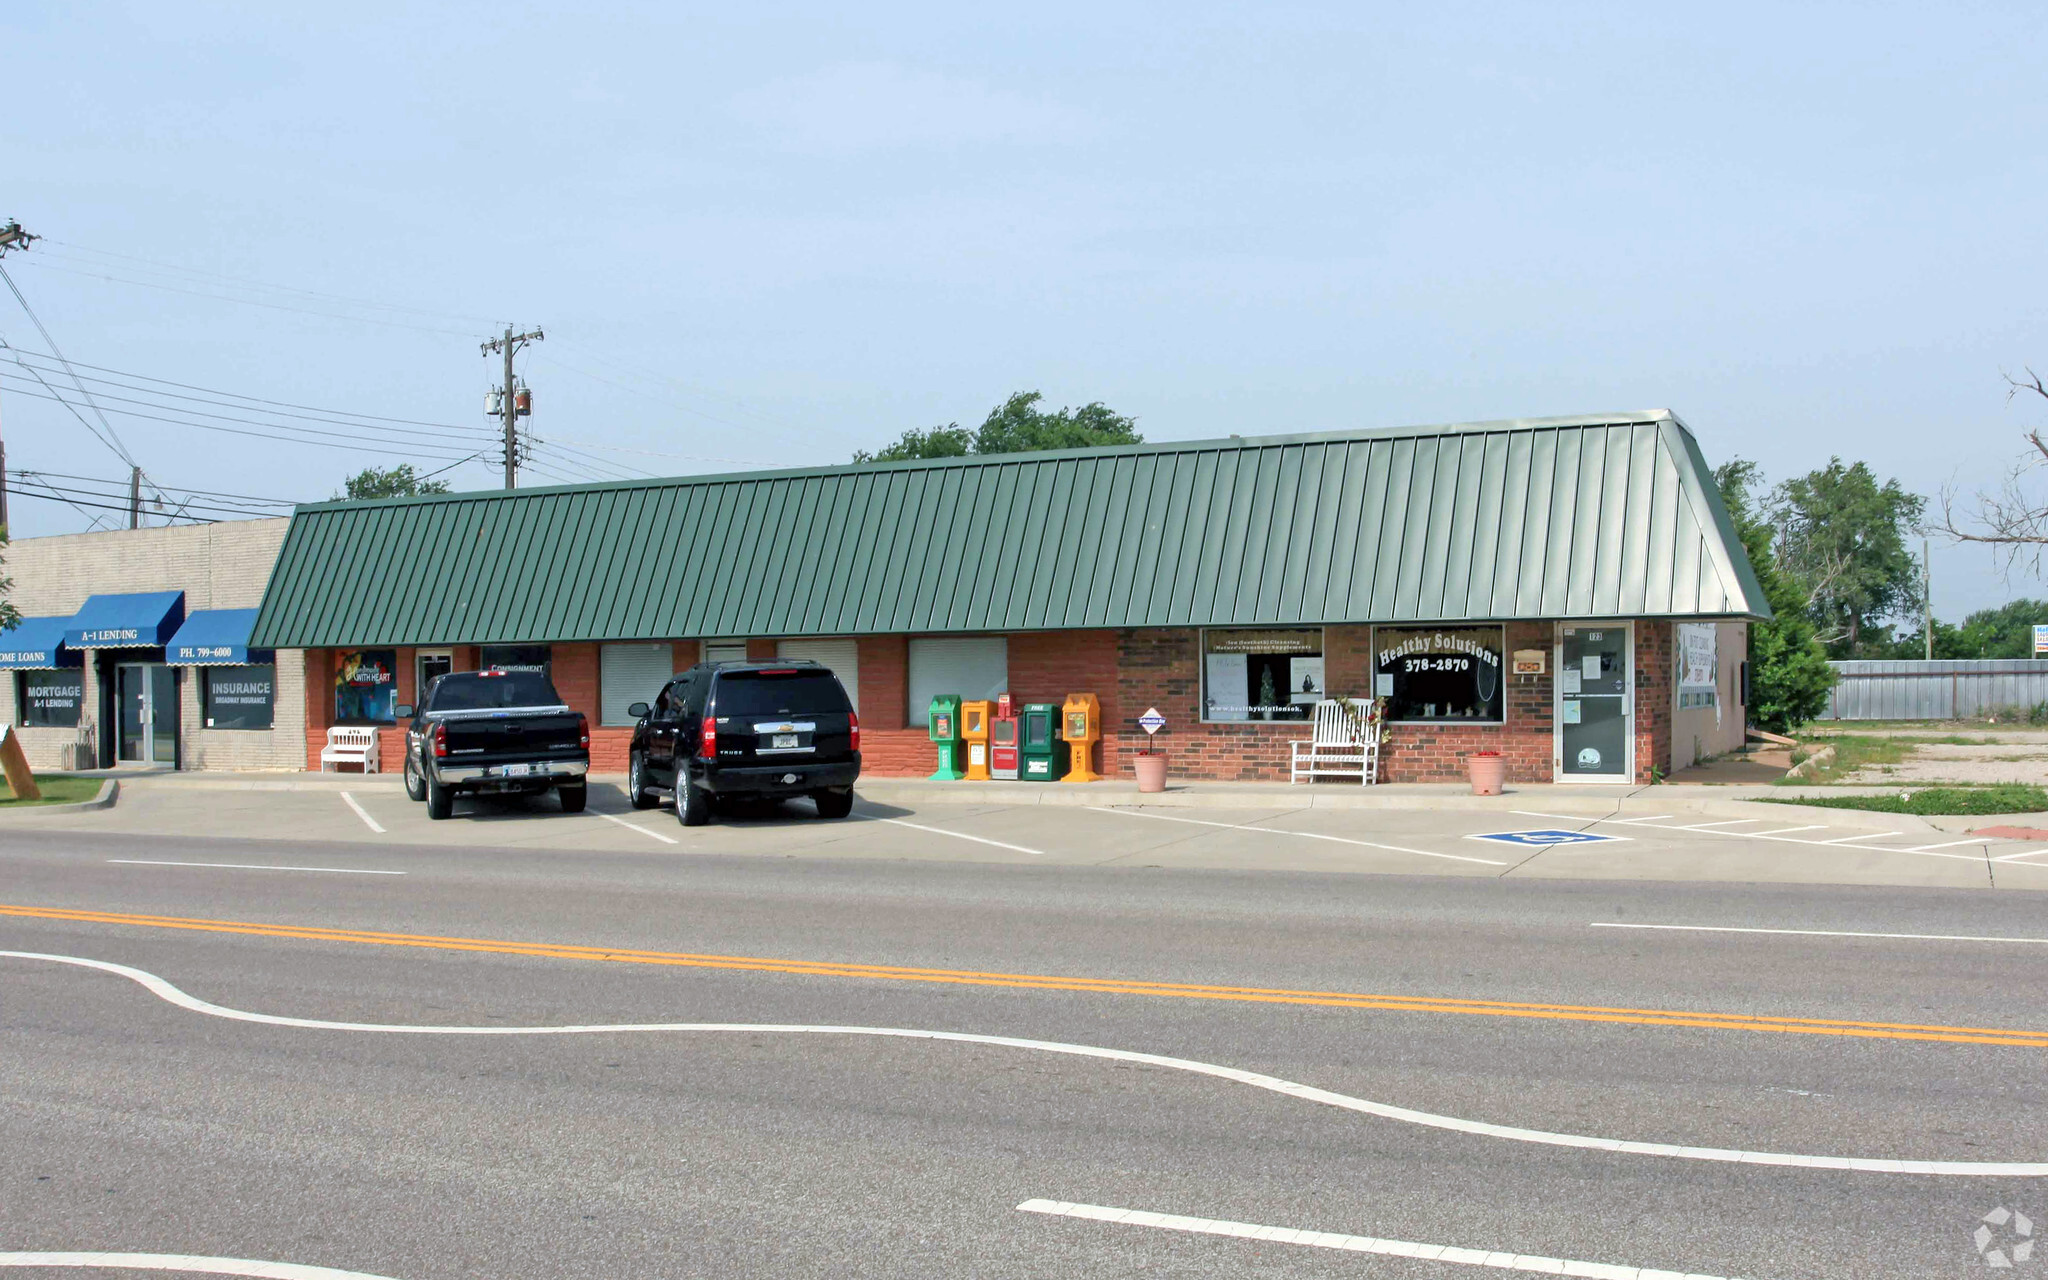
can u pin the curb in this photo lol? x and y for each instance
(109, 792)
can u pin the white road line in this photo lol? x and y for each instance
(1306, 835)
(608, 817)
(184, 1262)
(1930, 848)
(1724, 822)
(962, 835)
(1868, 835)
(1818, 933)
(2017, 857)
(170, 994)
(362, 813)
(250, 866)
(1779, 831)
(1499, 1260)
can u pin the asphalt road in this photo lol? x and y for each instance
(142, 1120)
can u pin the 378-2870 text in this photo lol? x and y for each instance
(1436, 664)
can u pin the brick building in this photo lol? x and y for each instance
(1566, 591)
(133, 647)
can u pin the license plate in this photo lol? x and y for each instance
(784, 740)
(516, 770)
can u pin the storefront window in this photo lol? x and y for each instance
(1440, 673)
(1262, 674)
(365, 687)
(51, 699)
(517, 657)
(239, 697)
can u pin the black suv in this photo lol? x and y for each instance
(725, 730)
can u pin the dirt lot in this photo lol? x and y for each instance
(1921, 754)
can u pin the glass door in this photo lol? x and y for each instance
(131, 691)
(147, 694)
(1595, 688)
(163, 715)
(430, 665)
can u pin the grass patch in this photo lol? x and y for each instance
(2005, 797)
(1853, 751)
(57, 790)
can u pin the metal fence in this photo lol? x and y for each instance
(1959, 689)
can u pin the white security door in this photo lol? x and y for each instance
(843, 656)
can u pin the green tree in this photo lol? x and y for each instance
(1845, 539)
(1017, 425)
(2004, 632)
(396, 482)
(1789, 675)
(10, 617)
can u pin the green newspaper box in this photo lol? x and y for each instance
(943, 722)
(1043, 751)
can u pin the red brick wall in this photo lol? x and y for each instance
(1655, 696)
(884, 687)
(1046, 666)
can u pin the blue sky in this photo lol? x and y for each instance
(775, 234)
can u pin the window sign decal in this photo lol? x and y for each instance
(51, 699)
(239, 697)
(366, 687)
(1262, 673)
(1440, 673)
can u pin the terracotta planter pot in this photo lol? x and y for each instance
(1150, 767)
(1488, 770)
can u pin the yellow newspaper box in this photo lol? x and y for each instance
(1081, 727)
(974, 733)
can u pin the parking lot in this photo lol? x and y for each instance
(1539, 836)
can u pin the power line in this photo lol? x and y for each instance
(236, 395)
(252, 282)
(176, 488)
(252, 302)
(115, 444)
(433, 450)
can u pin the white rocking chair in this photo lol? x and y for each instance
(1346, 743)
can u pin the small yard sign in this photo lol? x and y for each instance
(1151, 721)
(2040, 639)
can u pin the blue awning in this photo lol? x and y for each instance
(37, 644)
(214, 638)
(139, 620)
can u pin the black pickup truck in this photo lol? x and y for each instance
(501, 732)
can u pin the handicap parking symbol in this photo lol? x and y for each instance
(1545, 839)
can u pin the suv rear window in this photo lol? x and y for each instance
(767, 693)
(476, 691)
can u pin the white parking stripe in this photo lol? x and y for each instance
(184, 1262)
(1818, 933)
(633, 827)
(1779, 835)
(1306, 835)
(962, 835)
(1499, 1260)
(362, 813)
(1724, 822)
(1780, 831)
(1868, 835)
(2018, 857)
(1929, 848)
(250, 866)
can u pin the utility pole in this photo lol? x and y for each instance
(11, 237)
(135, 497)
(509, 408)
(1927, 597)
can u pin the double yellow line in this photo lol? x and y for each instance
(1050, 982)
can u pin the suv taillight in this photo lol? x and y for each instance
(707, 737)
(853, 730)
(583, 730)
(440, 742)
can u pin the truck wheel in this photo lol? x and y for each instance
(637, 793)
(693, 806)
(833, 804)
(440, 800)
(415, 786)
(574, 798)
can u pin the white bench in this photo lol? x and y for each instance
(350, 746)
(1346, 743)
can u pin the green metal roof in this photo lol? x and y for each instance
(1599, 517)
